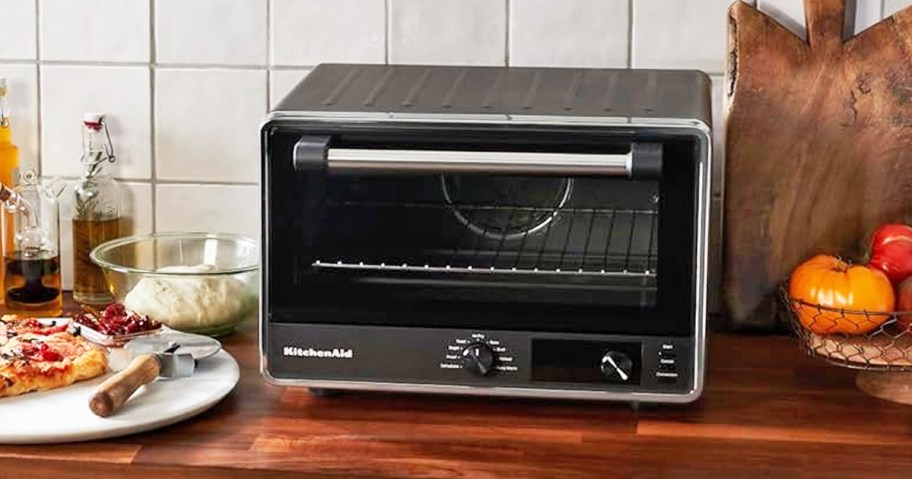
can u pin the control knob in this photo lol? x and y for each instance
(479, 359)
(617, 366)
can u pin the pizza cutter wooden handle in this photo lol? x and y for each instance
(114, 392)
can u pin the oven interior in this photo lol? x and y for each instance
(530, 252)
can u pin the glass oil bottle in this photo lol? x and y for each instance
(96, 218)
(31, 267)
(9, 160)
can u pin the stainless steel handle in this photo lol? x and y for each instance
(455, 161)
(314, 153)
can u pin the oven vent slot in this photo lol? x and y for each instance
(584, 242)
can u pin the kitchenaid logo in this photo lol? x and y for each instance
(338, 353)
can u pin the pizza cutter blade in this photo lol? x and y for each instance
(171, 355)
(200, 347)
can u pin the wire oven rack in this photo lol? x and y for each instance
(577, 241)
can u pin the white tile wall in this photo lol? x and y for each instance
(123, 93)
(892, 6)
(308, 32)
(868, 12)
(222, 32)
(207, 124)
(186, 82)
(207, 207)
(17, 22)
(689, 34)
(461, 32)
(281, 82)
(591, 33)
(95, 30)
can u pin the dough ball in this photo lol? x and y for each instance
(192, 303)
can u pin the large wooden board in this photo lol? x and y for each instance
(818, 145)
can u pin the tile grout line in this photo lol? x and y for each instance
(279, 68)
(106, 64)
(508, 33)
(153, 151)
(92, 63)
(39, 120)
(165, 182)
(268, 55)
(145, 181)
(174, 66)
(387, 27)
(630, 33)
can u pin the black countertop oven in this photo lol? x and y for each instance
(485, 230)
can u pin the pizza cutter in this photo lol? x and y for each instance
(170, 355)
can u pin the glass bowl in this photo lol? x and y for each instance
(204, 283)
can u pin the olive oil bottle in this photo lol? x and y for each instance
(9, 166)
(97, 215)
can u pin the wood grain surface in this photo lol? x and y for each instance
(817, 146)
(767, 411)
(886, 385)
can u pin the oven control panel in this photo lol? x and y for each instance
(653, 363)
(478, 358)
(667, 370)
(480, 354)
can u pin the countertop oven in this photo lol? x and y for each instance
(488, 230)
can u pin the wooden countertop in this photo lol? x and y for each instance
(767, 411)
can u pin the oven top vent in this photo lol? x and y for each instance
(506, 91)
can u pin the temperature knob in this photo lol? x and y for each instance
(617, 366)
(479, 359)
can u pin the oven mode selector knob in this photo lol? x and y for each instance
(617, 366)
(479, 359)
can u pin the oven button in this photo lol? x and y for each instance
(617, 366)
(479, 359)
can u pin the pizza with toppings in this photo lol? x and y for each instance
(38, 356)
(12, 326)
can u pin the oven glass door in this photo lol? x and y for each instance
(483, 250)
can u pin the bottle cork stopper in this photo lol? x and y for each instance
(92, 118)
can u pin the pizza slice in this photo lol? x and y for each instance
(12, 326)
(36, 362)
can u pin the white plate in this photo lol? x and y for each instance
(63, 415)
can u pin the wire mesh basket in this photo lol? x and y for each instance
(863, 340)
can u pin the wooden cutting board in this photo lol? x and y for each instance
(818, 147)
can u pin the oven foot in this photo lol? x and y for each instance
(637, 406)
(324, 393)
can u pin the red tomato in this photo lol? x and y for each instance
(40, 352)
(891, 251)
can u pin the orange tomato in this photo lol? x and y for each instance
(831, 282)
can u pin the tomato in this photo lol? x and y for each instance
(891, 251)
(40, 352)
(831, 282)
